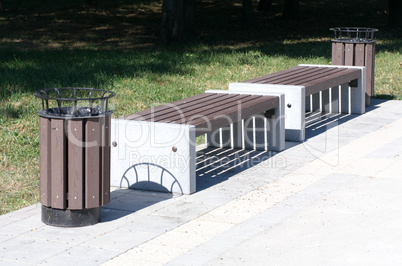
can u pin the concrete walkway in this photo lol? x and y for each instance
(333, 200)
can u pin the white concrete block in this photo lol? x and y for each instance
(153, 156)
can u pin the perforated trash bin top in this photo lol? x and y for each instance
(355, 46)
(74, 137)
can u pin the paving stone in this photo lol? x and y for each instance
(26, 249)
(120, 239)
(81, 255)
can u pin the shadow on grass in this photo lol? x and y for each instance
(56, 43)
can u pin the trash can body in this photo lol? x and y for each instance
(356, 47)
(74, 166)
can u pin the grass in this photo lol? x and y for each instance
(115, 46)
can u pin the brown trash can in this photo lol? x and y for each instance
(355, 46)
(74, 142)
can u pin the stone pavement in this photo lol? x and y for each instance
(334, 199)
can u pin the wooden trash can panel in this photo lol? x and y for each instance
(58, 164)
(106, 161)
(44, 161)
(370, 66)
(92, 163)
(338, 53)
(75, 165)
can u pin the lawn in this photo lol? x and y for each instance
(115, 46)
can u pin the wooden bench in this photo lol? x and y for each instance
(324, 88)
(155, 149)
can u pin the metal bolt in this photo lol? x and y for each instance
(289, 105)
(114, 143)
(174, 148)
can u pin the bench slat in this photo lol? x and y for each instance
(179, 112)
(299, 78)
(262, 78)
(332, 80)
(257, 106)
(208, 111)
(324, 74)
(313, 78)
(203, 109)
(160, 108)
(219, 109)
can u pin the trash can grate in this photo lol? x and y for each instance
(353, 34)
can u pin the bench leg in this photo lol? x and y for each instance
(358, 98)
(220, 138)
(153, 156)
(294, 105)
(263, 134)
(316, 102)
(335, 99)
(325, 101)
(345, 102)
(213, 139)
(308, 104)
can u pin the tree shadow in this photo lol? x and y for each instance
(58, 44)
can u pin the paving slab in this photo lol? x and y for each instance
(333, 199)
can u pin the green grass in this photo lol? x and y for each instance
(114, 46)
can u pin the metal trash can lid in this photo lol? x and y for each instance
(353, 34)
(74, 103)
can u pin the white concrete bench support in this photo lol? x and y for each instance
(153, 156)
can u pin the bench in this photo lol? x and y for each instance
(324, 88)
(155, 149)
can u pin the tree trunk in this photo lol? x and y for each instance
(291, 10)
(177, 20)
(395, 13)
(90, 2)
(265, 5)
(248, 13)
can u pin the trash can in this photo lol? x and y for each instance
(74, 143)
(355, 46)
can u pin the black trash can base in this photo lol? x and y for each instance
(70, 218)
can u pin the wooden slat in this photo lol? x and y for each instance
(180, 112)
(221, 109)
(369, 57)
(44, 161)
(226, 102)
(291, 77)
(161, 108)
(332, 80)
(75, 165)
(58, 164)
(359, 54)
(279, 73)
(215, 121)
(349, 54)
(105, 173)
(338, 53)
(282, 76)
(318, 73)
(92, 163)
